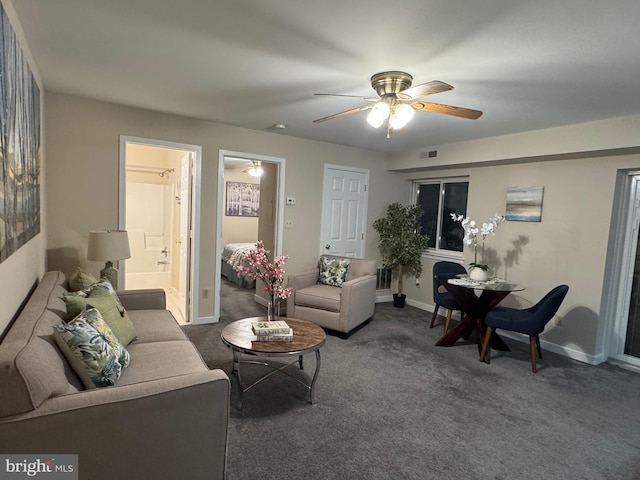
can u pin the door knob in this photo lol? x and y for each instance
(327, 246)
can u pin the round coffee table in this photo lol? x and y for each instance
(307, 338)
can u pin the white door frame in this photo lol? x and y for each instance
(196, 151)
(366, 172)
(621, 262)
(279, 211)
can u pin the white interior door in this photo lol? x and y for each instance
(344, 211)
(184, 240)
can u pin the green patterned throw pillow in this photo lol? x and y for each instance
(81, 279)
(333, 271)
(102, 284)
(92, 349)
(103, 296)
(111, 311)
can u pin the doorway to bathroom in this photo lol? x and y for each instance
(157, 183)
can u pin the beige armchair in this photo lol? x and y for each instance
(340, 308)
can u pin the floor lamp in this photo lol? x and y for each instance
(108, 247)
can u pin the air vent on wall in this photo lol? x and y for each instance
(431, 154)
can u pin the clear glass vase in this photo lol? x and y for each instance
(273, 308)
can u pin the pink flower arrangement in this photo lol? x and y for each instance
(271, 274)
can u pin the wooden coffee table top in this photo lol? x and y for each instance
(307, 337)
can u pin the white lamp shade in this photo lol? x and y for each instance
(401, 115)
(108, 246)
(379, 113)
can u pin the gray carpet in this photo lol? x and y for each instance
(391, 405)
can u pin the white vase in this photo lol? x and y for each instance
(478, 274)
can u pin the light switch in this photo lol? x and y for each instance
(291, 201)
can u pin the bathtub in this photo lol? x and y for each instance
(135, 281)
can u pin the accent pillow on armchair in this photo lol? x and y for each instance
(333, 271)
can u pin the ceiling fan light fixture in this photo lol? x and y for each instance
(402, 114)
(378, 115)
(398, 101)
(256, 170)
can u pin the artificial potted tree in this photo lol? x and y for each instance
(401, 244)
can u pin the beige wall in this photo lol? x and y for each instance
(602, 138)
(20, 271)
(82, 156)
(238, 229)
(568, 246)
(268, 207)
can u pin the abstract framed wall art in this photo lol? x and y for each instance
(242, 199)
(19, 145)
(524, 204)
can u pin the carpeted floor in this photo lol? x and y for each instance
(391, 405)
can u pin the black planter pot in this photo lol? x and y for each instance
(398, 300)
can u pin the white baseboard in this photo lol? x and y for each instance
(429, 308)
(260, 300)
(381, 298)
(552, 347)
(203, 320)
(264, 302)
(559, 349)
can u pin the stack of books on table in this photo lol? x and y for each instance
(277, 331)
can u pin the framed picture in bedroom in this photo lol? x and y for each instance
(242, 199)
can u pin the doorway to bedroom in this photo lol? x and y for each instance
(250, 199)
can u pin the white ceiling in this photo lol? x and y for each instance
(526, 64)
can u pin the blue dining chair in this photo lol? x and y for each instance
(530, 321)
(441, 297)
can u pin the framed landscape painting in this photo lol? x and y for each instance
(19, 145)
(524, 204)
(242, 199)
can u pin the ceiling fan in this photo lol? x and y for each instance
(397, 103)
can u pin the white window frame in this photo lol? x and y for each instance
(437, 253)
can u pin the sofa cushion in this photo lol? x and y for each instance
(320, 296)
(32, 367)
(81, 279)
(155, 326)
(333, 270)
(111, 311)
(92, 349)
(157, 360)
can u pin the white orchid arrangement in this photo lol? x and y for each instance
(471, 231)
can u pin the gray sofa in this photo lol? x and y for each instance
(166, 418)
(341, 309)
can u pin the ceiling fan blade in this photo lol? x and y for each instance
(368, 99)
(424, 89)
(346, 112)
(447, 109)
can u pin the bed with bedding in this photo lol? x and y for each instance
(232, 256)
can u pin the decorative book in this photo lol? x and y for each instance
(270, 328)
(276, 337)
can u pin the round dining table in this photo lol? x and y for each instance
(476, 299)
